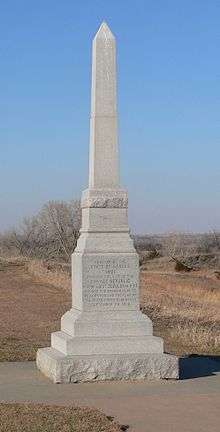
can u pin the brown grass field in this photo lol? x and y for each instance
(43, 418)
(185, 310)
(184, 307)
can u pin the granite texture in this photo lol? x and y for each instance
(103, 161)
(72, 369)
(104, 198)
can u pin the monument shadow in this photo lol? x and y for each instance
(197, 366)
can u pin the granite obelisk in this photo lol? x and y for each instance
(104, 335)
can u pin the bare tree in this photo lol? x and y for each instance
(60, 221)
(52, 233)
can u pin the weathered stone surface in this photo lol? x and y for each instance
(110, 198)
(103, 202)
(104, 335)
(70, 369)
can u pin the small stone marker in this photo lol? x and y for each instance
(105, 336)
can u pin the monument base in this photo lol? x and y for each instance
(61, 368)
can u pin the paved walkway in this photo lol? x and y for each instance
(190, 405)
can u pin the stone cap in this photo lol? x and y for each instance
(104, 198)
(104, 32)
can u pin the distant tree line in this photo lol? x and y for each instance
(53, 232)
(187, 250)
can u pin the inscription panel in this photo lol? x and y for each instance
(110, 283)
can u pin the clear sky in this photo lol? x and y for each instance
(168, 103)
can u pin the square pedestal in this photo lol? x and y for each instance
(62, 368)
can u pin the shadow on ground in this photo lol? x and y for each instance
(195, 366)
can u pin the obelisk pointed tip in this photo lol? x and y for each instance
(104, 32)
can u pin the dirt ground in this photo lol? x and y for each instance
(29, 312)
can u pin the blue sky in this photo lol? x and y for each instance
(168, 104)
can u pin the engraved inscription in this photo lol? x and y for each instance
(111, 283)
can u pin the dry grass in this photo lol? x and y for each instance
(41, 418)
(54, 274)
(185, 309)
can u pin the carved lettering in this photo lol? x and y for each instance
(111, 283)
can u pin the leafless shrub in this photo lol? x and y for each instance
(210, 242)
(180, 248)
(187, 250)
(146, 256)
(149, 243)
(179, 245)
(181, 266)
(51, 234)
(148, 248)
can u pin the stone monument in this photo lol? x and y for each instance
(105, 336)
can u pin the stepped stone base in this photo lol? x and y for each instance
(69, 345)
(62, 368)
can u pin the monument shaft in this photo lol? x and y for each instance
(103, 167)
(104, 335)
